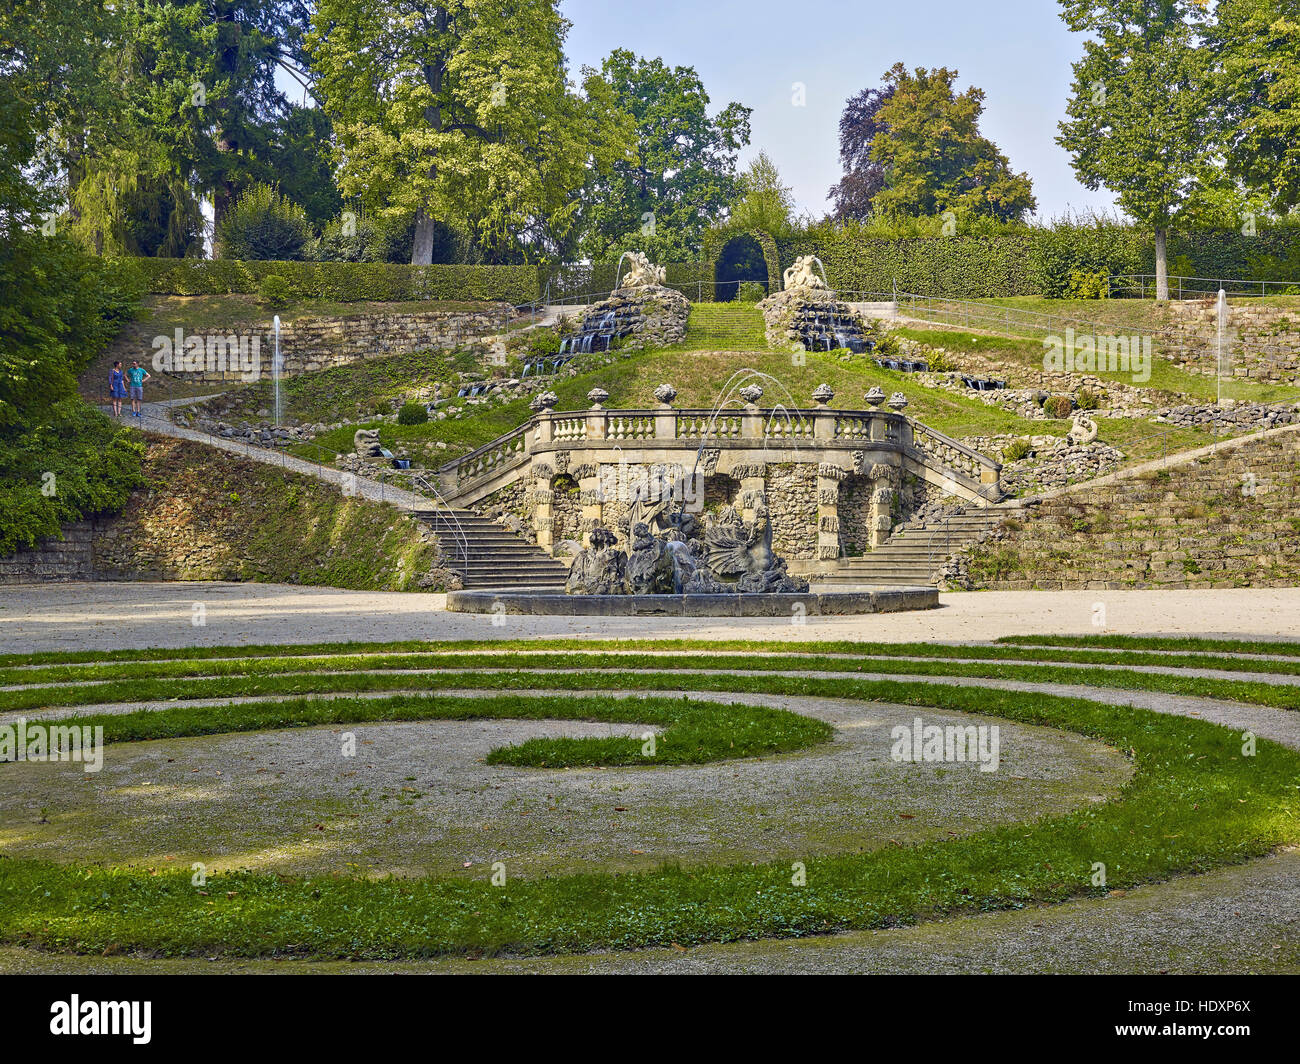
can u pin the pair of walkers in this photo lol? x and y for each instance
(129, 383)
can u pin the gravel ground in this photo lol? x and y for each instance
(120, 616)
(417, 799)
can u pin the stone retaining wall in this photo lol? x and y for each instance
(1262, 342)
(1227, 519)
(310, 344)
(71, 558)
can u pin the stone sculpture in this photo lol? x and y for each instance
(601, 569)
(644, 273)
(1084, 430)
(366, 443)
(802, 274)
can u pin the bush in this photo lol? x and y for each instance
(413, 414)
(74, 464)
(262, 225)
(1017, 449)
(750, 292)
(274, 292)
(1087, 399)
(1058, 407)
(1084, 285)
(543, 343)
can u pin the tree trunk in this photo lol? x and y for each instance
(1162, 265)
(422, 249)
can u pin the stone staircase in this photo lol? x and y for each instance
(915, 557)
(488, 555)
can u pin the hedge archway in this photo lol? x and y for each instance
(717, 241)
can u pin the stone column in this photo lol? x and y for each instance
(543, 500)
(884, 482)
(665, 416)
(828, 515)
(597, 419)
(753, 488)
(823, 415)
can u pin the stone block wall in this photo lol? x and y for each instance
(1228, 519)
(71, 558)
(1261, 343)
(310, 344)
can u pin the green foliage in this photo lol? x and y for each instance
(1017, 449)
(264, 226)
(1087, 399)
(274, 292)
(1138, 114)
(413, 414)
(1258, 94)
(765, 203)
(750, 292)
(462, 113)
(684, 172)
(339, 282)
(1059, 406)
(1088, 285)
(933, 156)
(1087, 247)
(70, 464)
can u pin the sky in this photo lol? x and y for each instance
(754, 52)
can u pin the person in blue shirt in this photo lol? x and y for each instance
(117, 388)
(135, 377)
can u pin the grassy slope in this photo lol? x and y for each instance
(720, 342)
(163, 315)
(209, 515)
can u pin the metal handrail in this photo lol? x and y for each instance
(1185, 286)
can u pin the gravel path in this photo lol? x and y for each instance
(121, 616)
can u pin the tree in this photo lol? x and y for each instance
(263, 225)
(765, 202)
(933, 156)
(1258, 85)
(459, 112)
(864, 177)
(683, 176)
(1138, 117)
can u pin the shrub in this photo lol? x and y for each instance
(1086, 284)
(543, 343)
(274, 292)
(412, 414)
(263, 225)
(750, 292)
(1017, 449)
(1058, 406)
(1087, 399)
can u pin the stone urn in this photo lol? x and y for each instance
(544, 401)
(751, 393)
(823, 394)
(665, 393)
(597, 396)
(898, 402)
(875, 397)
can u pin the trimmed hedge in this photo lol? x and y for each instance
(340, 282)
(585, 279)
(959, 267)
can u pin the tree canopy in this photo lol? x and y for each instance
(683, 175)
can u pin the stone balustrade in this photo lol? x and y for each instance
(758, 451)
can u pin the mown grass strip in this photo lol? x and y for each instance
(695, 731)
(575, 672)
(269, 666)
(1194, 802)
(1135, 642)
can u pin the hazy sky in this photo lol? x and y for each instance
(753, 51)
